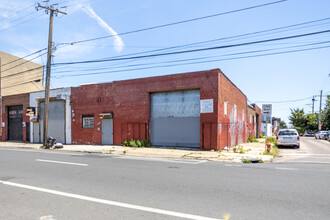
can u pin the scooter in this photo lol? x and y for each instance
(50, 142)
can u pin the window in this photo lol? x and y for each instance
(250, 118)
(225, 108)
(243, 117)
(88, 121)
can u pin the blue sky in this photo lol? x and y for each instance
(269, 78)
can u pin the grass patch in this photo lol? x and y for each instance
(251, 139)
(136, 143)
(273, 152)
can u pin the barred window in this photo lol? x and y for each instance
(88, 121)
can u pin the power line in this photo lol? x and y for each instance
(25, 71)
(21, 58)
(178, 22)
(26, 61)
(296, 100)
(193, 63)
(14, 13)
(192, 59)
(21, 23)
(22, 83)
(230, 37)
(196, 50)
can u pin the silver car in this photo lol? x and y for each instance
(288, 137)
(321, 134)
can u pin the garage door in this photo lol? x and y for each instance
(15, 119)
(175, 118)
(56, 121)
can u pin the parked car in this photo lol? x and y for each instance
(327, 136)
(320, 134)
(288, 137)
(309, 134)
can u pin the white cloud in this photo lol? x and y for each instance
(118, 42)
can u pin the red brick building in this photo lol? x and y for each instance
(15, 125)
(202, 109)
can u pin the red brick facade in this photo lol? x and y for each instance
(129, 101)
(14, 100)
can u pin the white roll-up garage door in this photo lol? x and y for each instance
(175, 118)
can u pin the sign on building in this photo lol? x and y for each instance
(30, 111)
(206, 106)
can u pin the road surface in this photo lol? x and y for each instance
(52, 185)
(311, 151)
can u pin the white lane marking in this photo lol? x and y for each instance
(47, 217)
(160, 159)
(62, 162)
(302, 154)
(229, 165)
(109, 202)
(316, 162)
(285, 168)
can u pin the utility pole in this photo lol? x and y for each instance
(52, 10)
(313, 104)
(320, 111)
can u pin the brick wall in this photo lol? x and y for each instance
(232, 126)
(129, 100)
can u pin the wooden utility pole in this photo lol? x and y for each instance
(320, 112)
(52, 10)
(313, 104)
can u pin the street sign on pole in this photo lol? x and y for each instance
(267, 109)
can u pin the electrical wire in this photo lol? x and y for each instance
(21, 23)
(21, 58)
(178, 22)
(191, 59)
(194, 63)
(14, 13)
(195, 50)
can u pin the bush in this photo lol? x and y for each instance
(261, 135)
(251, 139)
(136, 143)
(271, 139)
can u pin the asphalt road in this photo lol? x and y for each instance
(50, 185)
(311, 151)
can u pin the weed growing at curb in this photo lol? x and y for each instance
(186, 155)
(124, 152)
(273, 152)
(247, 161)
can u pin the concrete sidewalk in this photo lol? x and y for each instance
(245, 151)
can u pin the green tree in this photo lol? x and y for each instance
(282, 124)
(326, 115)
(311, 122)
(298, 120)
